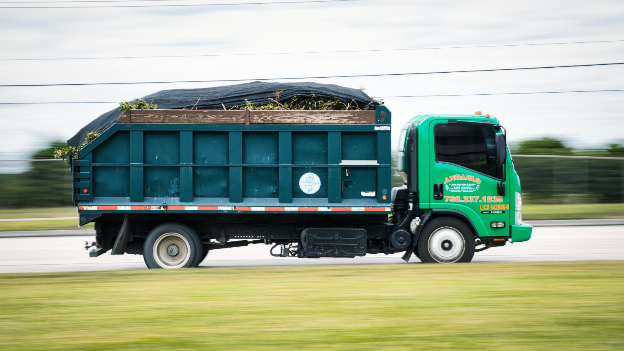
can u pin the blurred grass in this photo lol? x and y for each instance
(581, 211)
(478, 306)
(56, 224)
(45, 212)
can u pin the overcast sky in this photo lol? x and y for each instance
(582, 119)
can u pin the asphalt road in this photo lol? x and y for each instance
(67, 253)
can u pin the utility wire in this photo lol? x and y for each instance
(315, 77)
(177, 5)
(383, 97)
(311, 52)
(83, 1)
(517, 93)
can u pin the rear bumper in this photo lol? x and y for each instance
(521, 232)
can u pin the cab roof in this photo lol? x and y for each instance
(474, 117)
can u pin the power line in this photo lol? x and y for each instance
(383, 97)
(517, 93)
(311, 52)
(82, 1)
(316, 77)
(177, 5)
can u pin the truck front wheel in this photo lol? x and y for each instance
(446, 240)
(172, 245)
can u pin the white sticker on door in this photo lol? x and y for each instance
(462, 183)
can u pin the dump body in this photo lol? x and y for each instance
(172, 161)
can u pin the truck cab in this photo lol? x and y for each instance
(460, 183)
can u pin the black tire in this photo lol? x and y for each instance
(172, 245)
(446, 240)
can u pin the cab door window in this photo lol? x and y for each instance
(469, 146)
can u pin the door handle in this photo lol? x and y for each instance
(438, 191)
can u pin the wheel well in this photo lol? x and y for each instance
(456, 214)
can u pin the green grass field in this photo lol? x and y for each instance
(50, 212)
(43, 225)
(45, 212)
(477, 306)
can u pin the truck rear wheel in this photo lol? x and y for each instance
(446, 240)
(172, 245)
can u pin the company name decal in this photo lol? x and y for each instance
(461, 183)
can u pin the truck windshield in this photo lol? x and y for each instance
(469, 146)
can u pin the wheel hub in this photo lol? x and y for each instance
(446, 245)
(173, 250)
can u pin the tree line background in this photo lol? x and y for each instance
(593, 176)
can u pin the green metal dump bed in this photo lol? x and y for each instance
(189, 161)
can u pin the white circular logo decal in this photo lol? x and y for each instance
(309, 183)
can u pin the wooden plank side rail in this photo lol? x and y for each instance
(247, 117)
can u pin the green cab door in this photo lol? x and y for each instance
(465, 176)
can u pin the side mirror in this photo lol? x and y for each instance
(501, 148)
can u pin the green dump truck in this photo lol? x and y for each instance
(172, 185)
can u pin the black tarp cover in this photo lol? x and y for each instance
(233, 95)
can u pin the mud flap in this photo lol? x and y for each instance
(408, 252)
(122, 238)
(88, 217)
(410, 249)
